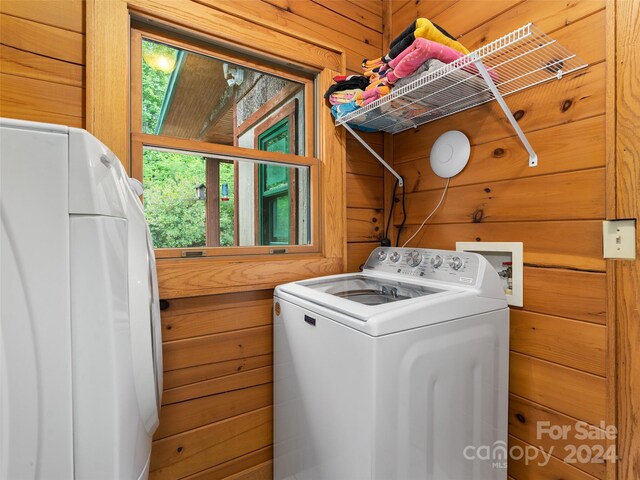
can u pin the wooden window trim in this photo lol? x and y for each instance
(107, 104)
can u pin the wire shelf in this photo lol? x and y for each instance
(519, 60)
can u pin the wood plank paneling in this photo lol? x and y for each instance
(360, 161)
(199, 373)
(540, 239)
(194, 413)
(358, 254)
(187, 305)
(557, 197)
(26, 64)
(236, 344)
(257, 376)
(566, 293)
(179, 278)
(627, 273)
(364, 191)
(356, 11)
(264, 471)
(572, 392)
(190, 452)
(576, 97)
(548, 15)
(576, 344)
(31, 99)
(235, 317)
(405, 12)
(538, 465)
(42, 39)
(67, 14)
(280, 18)
(528, 420)
(312, 11)
(364, 224)
(562, 148)
(464, 15)
(238, 464)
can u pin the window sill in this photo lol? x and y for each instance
(180, 277)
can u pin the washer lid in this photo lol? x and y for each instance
(369, 290)
(364, 297)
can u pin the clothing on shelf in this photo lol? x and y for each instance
(348, 83)
(421, 28)
(340, 110)
(344, 96)
(420, 49)
(415, 55)
(373, 93)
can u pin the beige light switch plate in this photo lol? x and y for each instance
(619, 238)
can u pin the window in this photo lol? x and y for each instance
(224, 146)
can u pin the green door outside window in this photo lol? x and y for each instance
(274, 202)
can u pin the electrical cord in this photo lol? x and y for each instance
(404, 215)
(444, 192)
(385, 241)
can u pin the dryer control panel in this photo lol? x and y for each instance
(442, 265)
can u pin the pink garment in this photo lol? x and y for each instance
(421, 50)
(368, 96)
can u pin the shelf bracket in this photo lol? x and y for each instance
(533, 157)
(374, 153)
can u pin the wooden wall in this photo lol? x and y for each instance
(559, 368)
(217, 404)
(42, 61)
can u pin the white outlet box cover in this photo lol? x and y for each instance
(619, 239)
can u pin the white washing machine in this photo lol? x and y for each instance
(80, 347)
(399, 372)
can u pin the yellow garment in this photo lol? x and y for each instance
(426, 29)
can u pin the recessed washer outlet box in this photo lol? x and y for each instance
(506, 259)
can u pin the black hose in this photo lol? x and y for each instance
(385, 241)
(404, 215)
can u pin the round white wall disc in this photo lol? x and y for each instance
(450, 153)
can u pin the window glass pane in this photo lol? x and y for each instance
(200, 200)
(176, 217)
(189, 95)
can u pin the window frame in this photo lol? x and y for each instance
(107, 106)
(140, 140)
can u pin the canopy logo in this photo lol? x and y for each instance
(579, 443)
(499, 453)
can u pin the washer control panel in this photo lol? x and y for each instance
(442, 265)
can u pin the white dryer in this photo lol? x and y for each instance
(399, 372)
(80, 348)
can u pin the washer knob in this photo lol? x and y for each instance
(394, 257)
(436, 261)
(414, 258)
(381, 255)
(455, 263)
